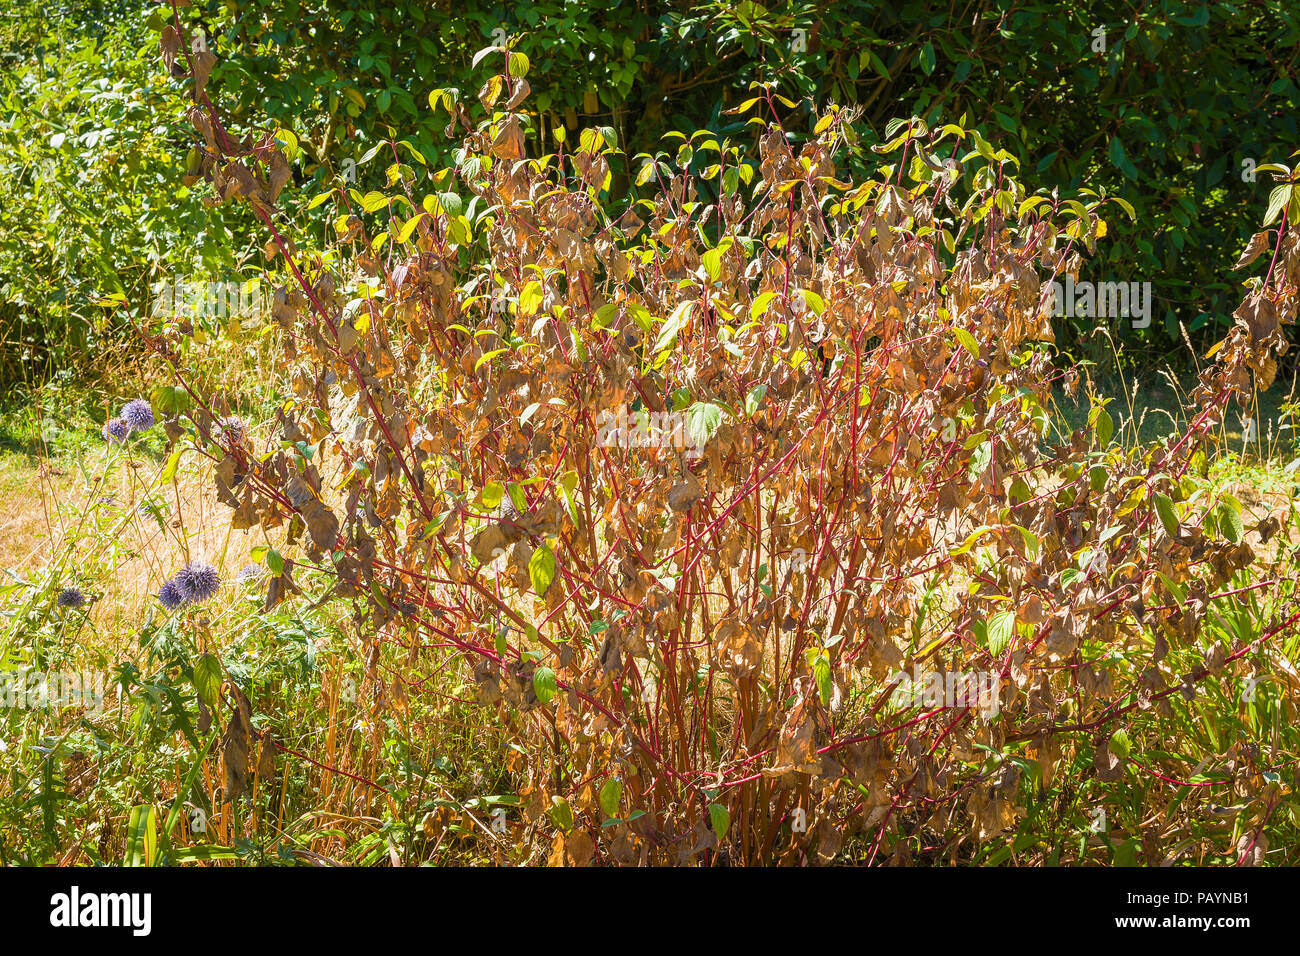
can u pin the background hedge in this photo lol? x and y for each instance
(1170, 115)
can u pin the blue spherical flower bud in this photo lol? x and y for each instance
(197, 581)
(169, 596)
(71, 597)
(115, 431)
(138, 415)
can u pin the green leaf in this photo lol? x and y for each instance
(1135, 498)
(568, 484)
(754, 400)
(610, 795)
(641, 316)
(1120, 160)
(207, 679)
(1105, 427)
(489, 356)
(516, 493)
(141, 836)
(562, 813)
(1168, 516)
(712, 263)
(703, 419)
(674, 324)
(967, 342)
(404, 234)
(203, 852)
(1030, 540)
(541, 569)
(927, 58)
(971, 539)
(492, 494)
(530, 299)
(822, 674)
(170, 399)
(518, 64)
(1001, 626)
(1119, 744)
(719, 820)
(647, 172)
(758, 307)
(544, 684)
(173, 462)
(1230, 522)
(1277, 201)
(813, 301)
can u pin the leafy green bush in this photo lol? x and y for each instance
(91, 207)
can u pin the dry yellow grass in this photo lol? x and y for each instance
(85, 529)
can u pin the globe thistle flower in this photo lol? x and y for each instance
(71, 597)
(115, 431)
(197, 582)
(248, 574)
(169, 596)
(138, 414)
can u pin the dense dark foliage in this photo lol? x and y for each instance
(1170, 116)
(1183, 95)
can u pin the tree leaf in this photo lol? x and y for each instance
(1120, 159)
(374, 201)
(822, 674)
(1105, 428)
(610, 795)
(703, 419)
(1230, 522)
(967, 341)
(1168, 516)
(1277, 201)
(541, 569)
(492, 494)
(544, 684)
(530, 299)
(1119, 744)
(672, 325)
(562, 813)
(1001, 626)
(719, 820)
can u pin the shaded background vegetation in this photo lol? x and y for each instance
(1183, 95)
